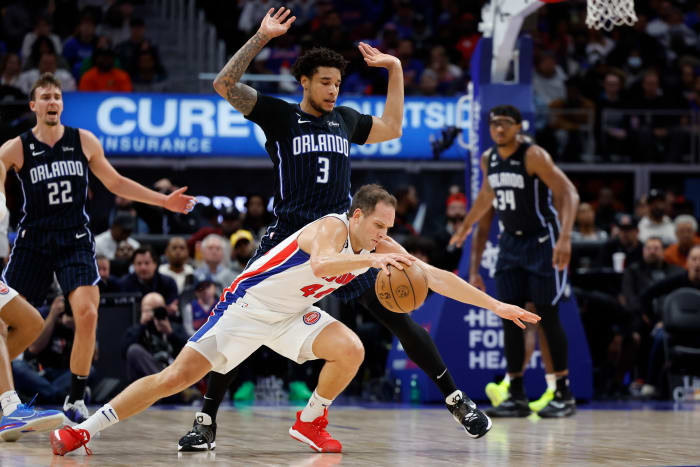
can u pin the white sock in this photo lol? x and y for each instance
(551, 381)
(10, 401)
(506, 380)
(103, 418)
(453, 398)
(314, 408)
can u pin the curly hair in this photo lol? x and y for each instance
(309, 61)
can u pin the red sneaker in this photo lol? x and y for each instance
(314, 434)
(68, 439)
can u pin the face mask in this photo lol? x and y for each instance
(634, 62)
(657, 212)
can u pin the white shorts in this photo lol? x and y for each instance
(228, 338)
(7, 293)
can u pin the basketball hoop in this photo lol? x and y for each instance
(606, 14)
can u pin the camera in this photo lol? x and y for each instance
(160, 313)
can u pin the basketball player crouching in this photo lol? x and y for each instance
(271, 303)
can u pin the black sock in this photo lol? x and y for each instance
(216, 390)
(563, 386)
(77, 388)
(517, 391)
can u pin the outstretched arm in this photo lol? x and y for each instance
(242, 97)
(452, 286)
(389, 125)
(176, 201)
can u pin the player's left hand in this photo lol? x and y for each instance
(515, 314)
(373, 57)
(177, 201)
(561, 254)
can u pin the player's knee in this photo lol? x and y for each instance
(85, 316)
(353, 351)
(34, 324)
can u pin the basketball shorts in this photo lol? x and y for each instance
(6, 295)
(38, 254)
(346, 293)
(524, 269)
(231, 336)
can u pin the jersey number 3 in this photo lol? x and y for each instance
(324, 164)
(60, 192)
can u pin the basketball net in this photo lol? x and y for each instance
(606, 14)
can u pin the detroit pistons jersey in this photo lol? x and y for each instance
(282, 281)
(54, 182)
(523, 202)
(311, 157)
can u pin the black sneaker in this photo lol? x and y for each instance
(200, 438)
(474, 421)
(511, 407)
(563, 405)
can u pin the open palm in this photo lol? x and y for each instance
(373, 57)
(276, 24)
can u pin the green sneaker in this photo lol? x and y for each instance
(245, 392)
(542, 402)
(497, 393)
(299, 391)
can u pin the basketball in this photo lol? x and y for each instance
(402, 291)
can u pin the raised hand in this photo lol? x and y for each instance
(515, 314)
(276, 24)
(177, 201)
(373, 57)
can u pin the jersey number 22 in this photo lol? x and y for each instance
(60, 192)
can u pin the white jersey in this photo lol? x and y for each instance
(282, 281)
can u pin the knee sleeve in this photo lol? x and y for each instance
(556, 337)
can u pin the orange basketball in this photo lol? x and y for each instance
(402, 291)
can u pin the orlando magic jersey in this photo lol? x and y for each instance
(311, 157)
(523, 201)
(54, 182)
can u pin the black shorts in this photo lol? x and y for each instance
(524, 271)
(345, 293)
(38, 254)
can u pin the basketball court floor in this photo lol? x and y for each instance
(391, 435)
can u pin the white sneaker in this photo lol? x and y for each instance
(76, 412)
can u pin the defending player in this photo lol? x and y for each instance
(309, 144)
(271, 303)
(522, 182)
(51, 161)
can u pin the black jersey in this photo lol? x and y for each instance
(311, 156)
(54, 182)
(523, 201)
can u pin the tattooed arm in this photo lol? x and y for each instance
(242, 97)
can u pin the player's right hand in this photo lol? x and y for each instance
(274, 24)
(477, 281)
(515, 314)
(382, 260)
(461, 234)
